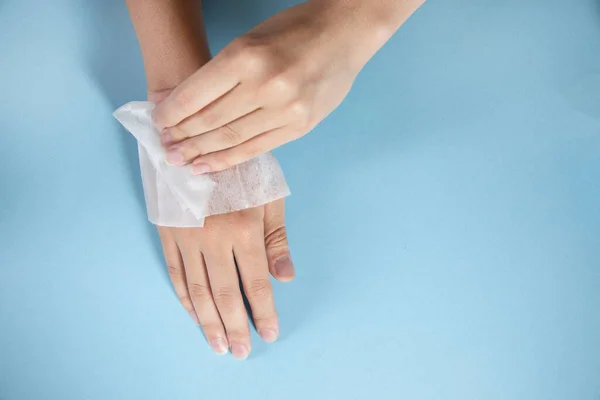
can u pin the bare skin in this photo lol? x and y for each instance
(275, 83)
(268, 87)
(202, 261)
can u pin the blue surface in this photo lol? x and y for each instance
(445, 221)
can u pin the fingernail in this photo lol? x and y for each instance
(165, 137)
(174, 157)
(219, 345)
(284, 267)
(194, 317)
(200, 169)
(268, 335)
(239, 351)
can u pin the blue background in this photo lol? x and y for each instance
(445, 220)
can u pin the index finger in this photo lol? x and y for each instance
(209, 83)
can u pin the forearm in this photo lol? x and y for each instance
(369, 23)
(387, 15)
(172, 39)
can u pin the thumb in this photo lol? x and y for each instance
(276, 242)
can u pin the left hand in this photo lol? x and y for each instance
(202, 266)
(268, 87)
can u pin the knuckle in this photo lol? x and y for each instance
(174, 270)
(237, 45)
(192, 148)
(230, 136)
(255, 59)
(284, 86)
(276, 237)
(248, 225)
(249, 238)
(199, 291)
(225, 298)
(300, 110)
(183, 98)
(197, 148)
(259, 289)
(245, 234)
(248, 219)
(177, 133)
(207, 118)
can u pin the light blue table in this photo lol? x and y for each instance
(445, 221)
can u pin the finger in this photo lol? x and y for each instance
(251, 260)
(224, 159)
(228, 136)
(224, 283)
(176, 270)
(158, 96)
(206, 85)
(201, 295)
(235, 104)
(276, 242)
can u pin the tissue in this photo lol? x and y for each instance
(177, 198)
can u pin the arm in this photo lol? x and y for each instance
(202, 261)
(172, 40)
(370, 23)
(275, 83)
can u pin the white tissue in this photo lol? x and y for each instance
(175, 197)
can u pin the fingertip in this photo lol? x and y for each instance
(269, 335)
(240, 351)
(219, 346)
(284, 269)
(284, 279)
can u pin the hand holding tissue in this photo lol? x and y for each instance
(177, 198)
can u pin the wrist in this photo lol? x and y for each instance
(172, 39)
(365, 24)
(166, 76)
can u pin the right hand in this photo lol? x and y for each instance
(202, 267)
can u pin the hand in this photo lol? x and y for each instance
(268, 87)
(202, 267)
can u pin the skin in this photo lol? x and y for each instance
(202, 261)
(275, 83)
(268, 87)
